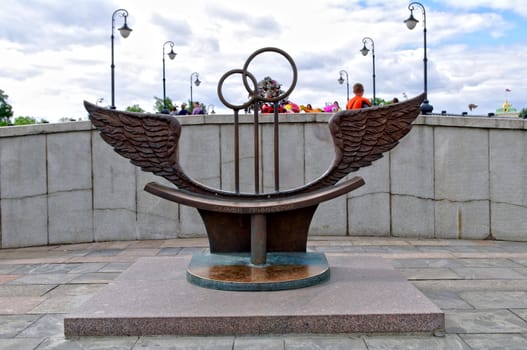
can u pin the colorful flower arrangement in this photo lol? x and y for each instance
(269, 88)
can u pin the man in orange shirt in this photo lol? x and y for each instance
(358, 101)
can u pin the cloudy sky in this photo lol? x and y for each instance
(55, 54)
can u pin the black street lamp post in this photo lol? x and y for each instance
(197, 82)
(411, 22)
(364, 52)
(171, 55)
(125, 32)
(341, 81)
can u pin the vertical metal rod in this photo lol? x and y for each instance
(258, 239)
(276, 150)
(256, 151)
(236, 152)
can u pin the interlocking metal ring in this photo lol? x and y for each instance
(254, 93)
(220, 87)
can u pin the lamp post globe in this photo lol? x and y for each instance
(171, 55)
(411, 23)
(197, 82)
(125, 32)
(341, 81)
(364, 51)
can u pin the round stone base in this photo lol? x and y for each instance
(235, 271)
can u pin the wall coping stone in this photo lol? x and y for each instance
(431, 120)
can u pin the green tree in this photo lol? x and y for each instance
(135, 108)
(159, 106)
(6, 111)
(523, 113)
(25, 120)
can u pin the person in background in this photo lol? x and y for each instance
(395, 100)
(184, 110)
(197, 108)
(358, 101)
(174, 111)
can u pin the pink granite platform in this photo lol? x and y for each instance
(153, 297)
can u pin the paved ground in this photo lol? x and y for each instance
(480, 285)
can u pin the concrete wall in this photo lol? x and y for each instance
(451, 177)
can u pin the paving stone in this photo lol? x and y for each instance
(488, 263)
(170, 251)
(193, 250)
(105, 252)
(483, 321)
(58, 343)
(447, 300)
(105, 259)
(522, 270)
(6, 269)
(449, 342)
(45, 278)
(488, 273)
(24, 268)
(429, 274)
(47, 268)
(115, 267)
(26, 290)
(511, 246)
(46, 326)
(187, 242)
(425, 263)
(435, 249)
(490, 248)
(496, 300)
(327, 343)
(259, 343)
(487, 268)
(186, 343)
(18, 305)
(19, 344)
(495, 341)
(61, 304)
(522, 313)
(140, 252)
(95, 277)
(7, 278)
(389, 249)
(75, 289)
(88, 267)
(337, 249)
(472, 285)
(11, 325)
(147, 243)
(521, 261)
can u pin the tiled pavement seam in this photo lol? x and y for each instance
(480, 285)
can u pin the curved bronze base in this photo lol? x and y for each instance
(236, 273)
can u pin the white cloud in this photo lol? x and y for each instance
(48, 74)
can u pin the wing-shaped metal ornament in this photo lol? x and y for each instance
(150, 141)
(360, 137)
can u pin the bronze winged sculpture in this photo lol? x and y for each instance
(257, 222)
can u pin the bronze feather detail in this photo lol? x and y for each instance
(360, 137)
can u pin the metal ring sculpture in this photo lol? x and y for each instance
(254, 92)
(256, 223)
